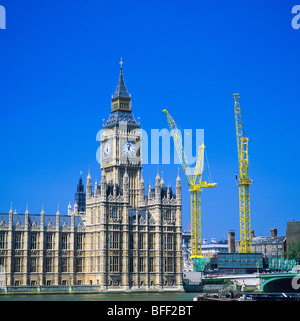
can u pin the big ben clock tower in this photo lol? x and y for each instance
(121, 144)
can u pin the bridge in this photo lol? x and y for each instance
(280, 282)
(287, 282)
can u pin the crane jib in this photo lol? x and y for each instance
(196, 185)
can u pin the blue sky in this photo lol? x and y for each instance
(60, 65)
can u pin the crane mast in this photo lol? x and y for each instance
(243, 180)
(195, 183)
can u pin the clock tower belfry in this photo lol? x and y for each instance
(121, 144)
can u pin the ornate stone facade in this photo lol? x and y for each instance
(117, 237)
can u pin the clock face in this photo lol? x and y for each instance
(106, 149)
(129, 149)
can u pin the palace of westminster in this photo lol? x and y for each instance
(115, 236)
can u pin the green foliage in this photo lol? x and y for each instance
(214, 281)
(293, 251)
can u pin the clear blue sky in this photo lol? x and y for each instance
(59, 67)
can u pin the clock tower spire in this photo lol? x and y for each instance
(121, 100)
(121, 143)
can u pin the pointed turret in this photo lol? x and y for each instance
(103, 184)
(88, 185)
(126, 176)
(75, 208)
(69, 208)
(178, 179)
(149, 192)
(126, 186)
(57, 218)
(162, 182)
(142, 183)
(142, 188)
(11, 212)
(89, 178)
(57, 212)
(121, 98)
(96, 188)
(42, 218)
(157, 186)
(26, 216)
(157, 179)
(73, 221)
(178, 189)
(168, 192)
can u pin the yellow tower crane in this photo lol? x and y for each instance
(243, 180)
(195, 183)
